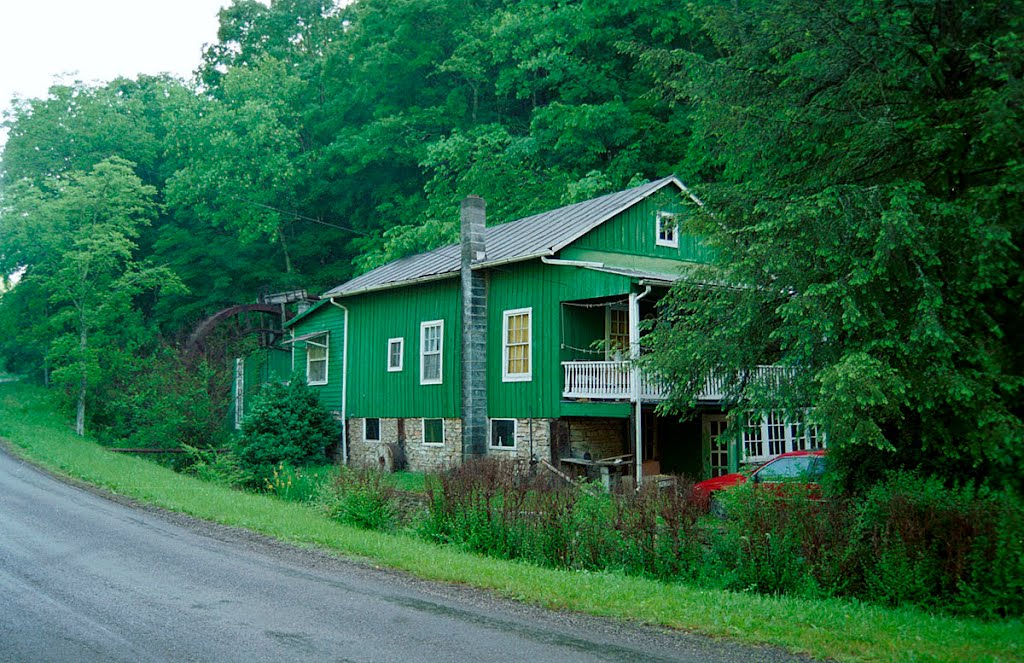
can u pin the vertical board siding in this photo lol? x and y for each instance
(633, 233)
(330, 319)
(542, 288)
(374, 318)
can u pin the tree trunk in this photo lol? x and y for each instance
(287, 256)
(80, 417)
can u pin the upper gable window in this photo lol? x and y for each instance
(667, 230)
(316, 360)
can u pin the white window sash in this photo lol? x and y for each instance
(400, 343)
(663, 235)
(429, 325)
(506, 374)
(778, 434)
(310, 361)
(423, 433)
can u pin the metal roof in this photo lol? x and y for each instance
(534, 236)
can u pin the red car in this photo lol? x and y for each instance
(794, 467)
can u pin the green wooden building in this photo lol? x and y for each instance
(517, 342)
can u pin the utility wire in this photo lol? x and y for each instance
(300, 216)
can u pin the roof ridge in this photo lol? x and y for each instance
(555, 229)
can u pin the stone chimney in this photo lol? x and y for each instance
(474, 330)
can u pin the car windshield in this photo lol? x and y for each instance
(807, 468)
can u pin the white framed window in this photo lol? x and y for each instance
(753, 442)
(371, 429)
(396, 352)
(666, 230)
(431, 351)
(517, 346)
(502, 434)
(433, 432)
(317, 352)
(771, 434)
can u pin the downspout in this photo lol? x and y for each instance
(344, 384)
(634, 378)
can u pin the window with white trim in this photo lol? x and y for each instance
(396, 350)
(516, 347)
(666, 230)
(316, 359)
(753, 443)
(431, 351)
(371, 429)
(433, 432)
(768, 435)
(502, 434)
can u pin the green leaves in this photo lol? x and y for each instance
(863, 199)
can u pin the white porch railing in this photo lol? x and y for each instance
(611, 380)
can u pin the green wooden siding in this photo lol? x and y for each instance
(632, 233)
(262, 366)
(541, 288)
(374, 318)
(330, 319)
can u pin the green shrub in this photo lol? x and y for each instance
(502, 508)
(925, 543)
(362, 498)
(160, 401)
(286, 425)
(216, 467)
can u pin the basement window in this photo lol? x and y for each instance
(433, 432)
(503, 434)
(371, 429)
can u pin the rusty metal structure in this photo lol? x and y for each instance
(265, 318)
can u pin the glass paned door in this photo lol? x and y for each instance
(718, 458)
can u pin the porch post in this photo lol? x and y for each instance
(634, 383)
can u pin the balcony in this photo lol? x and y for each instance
(612, 381)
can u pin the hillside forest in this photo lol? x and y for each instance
(860, 164)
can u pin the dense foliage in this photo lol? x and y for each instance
(859, 163)
(286, 426)
(867, 208)
(911, 541)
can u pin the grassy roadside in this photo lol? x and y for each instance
(828, 628)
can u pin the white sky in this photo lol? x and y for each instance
(98, 40)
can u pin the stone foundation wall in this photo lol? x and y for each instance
(541, 441)
(600, 437)
(419, 457)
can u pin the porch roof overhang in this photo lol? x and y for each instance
(305, 337)
(640, 277)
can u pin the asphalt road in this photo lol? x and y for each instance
(87, 578)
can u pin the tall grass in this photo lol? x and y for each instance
(824, 628)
